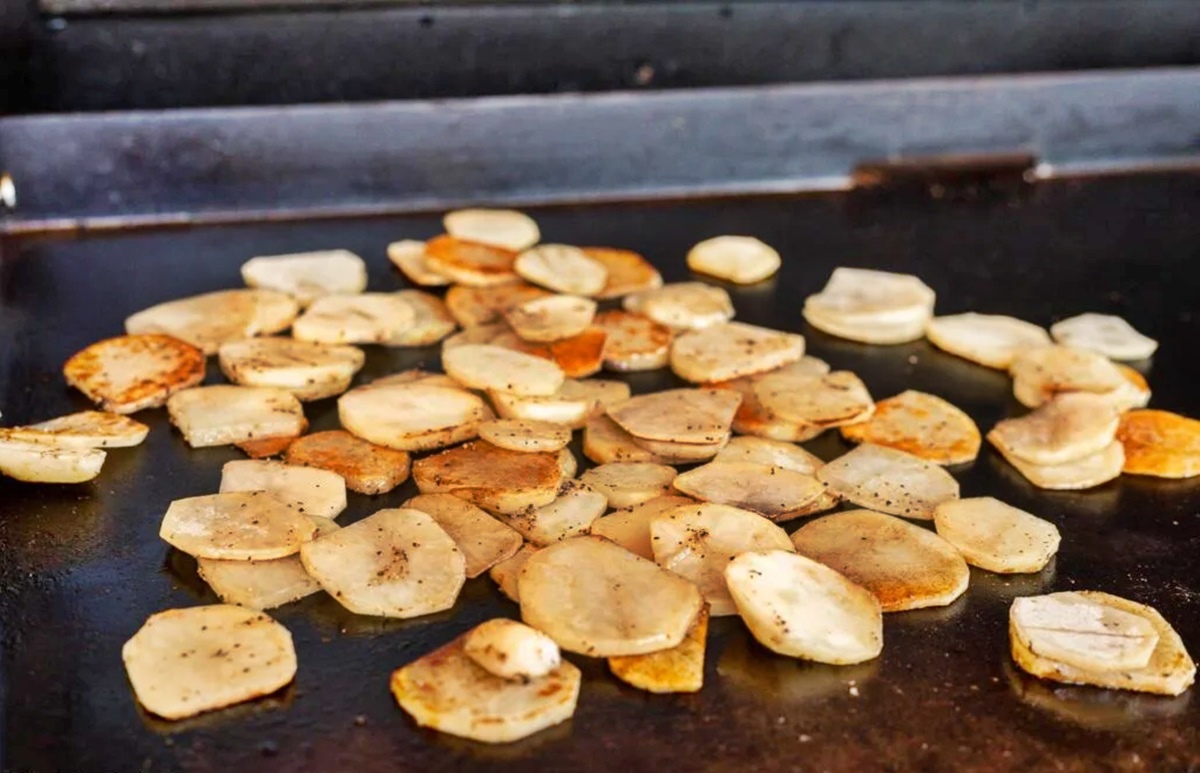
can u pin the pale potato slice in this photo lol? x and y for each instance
(408, 255)
(630, 527)
(883, 333)
(448, 691)
(905, 566)
(481, 366)
(475, 306)
(134, 372)
(307, 276)
(368, 318)
(1069, 427)
(1040, 373)
(42, 463)
(625, 484)
(742, 260)
(569, 515)
(431, 320)
(633, 342)
(579, 356)
(832, 400)
(995, 536)
(183, 662)
(470, 263)
(83, 430)
(563, 269)
(483, 540)
(628, 272)
(889, 481)
(681, 453)
(730, 350)
(774, 453)
(678, 669)
(237, 526)
(678, 415)
(803, 609)
(551, 319)
(573, 405)
(1160, 443)
(310, 371)
(1082, 632)
(496, 479)
(309, 490)
(857, 295)
(987, 339)
(511, 650)
(1083, 473)
(1105, 334)
(209, 320)
(506, 573)
(682, 305)
(222, 414)
(507, 228)
(414, 416)
(1134, 393)
(773, 492)
(920, 424)
(394, 563)
(525, 435)
(753, 418)
(274, 312)
(605, 442)
(365, 467)
(600, 600)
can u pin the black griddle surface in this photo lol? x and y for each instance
(81, 567)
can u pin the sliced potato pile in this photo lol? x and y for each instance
(920, 424)
(995, 536)
(553, 318)
(605, 442)
(365, 467)
(239, 526)
(310, 371)
(481, 366)
(222, 414)
(628, 272)
(814, 402)
(731, 350)
(470, 263)
(431, 320)
(496, 479)
(682, 305)
(1069, 427)
(742, 260)
(772, 453)
(369, 318)
(525, 435)
(476, 306)
(34, 462)
(1082, 473)
(483, 541)
(1160, 443)
(408, 255)
(307, 276)
(511, 650)
(134, 372)
(889, 481)
(678, 669)
(83, 430)
(700, 416)
(774, 492)
(630, 527)
(507, 573)
(183, 662)
(570, 514)
(563, 269)
(988, 339)
(414, 416)
(578, 356)
(209, 320)
(309, 490)
(873, 307)
(1043, 372)
(1105, 334)
(625, 484)
(505, 228)
(633, 342)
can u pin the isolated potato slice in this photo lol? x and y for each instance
(678, 415)
(803, 609)
(496, 479)
(1083, 473)
(470, 263)
(1082, 632)
(732, 349)
(742, 260)
(481, 366)
(682, 305)
(511, 650)
(563, 269)
(134, 372)
(506, 573)
(774, 453)
(408, 255)
(42, 463)
(600, 600)
(889, 481)
(83, 430)
(570, 514)
(368, 318)
(431, 320)
(551, 319)
(681, 453)
(866, 295)
(237, 526)
(987, 339)
(209, 320)
(448, 691)
(678, 669)
(222, 414)
(311, 371)
(633, 342)
(832, 400)
(881, 333)
(483, 540)
(506, 228)
(905, 566)
(628, 272)
(1040, 373)
(183, 662)
(414, 416)
(307, 276)
(1160, 443)
(773, 492)
(625, 484)
(1105, 334)
(578, 356)
(525, 435)
(309, 490)
(1069, 427)
(474, 306)
(365, 467)
(630, 527)
(921, 424)
(605, 442)
(995, 536)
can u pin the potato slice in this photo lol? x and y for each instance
(753, 418)
(742, 260)
(408, 255)
(681, 453)
(575, 402)
(481, 366)
(569, 515)
(394, 563)
(865, 296)
(310, 371)
(506, 573)
(774, 453)
(678, 669)
(905, 566)
(625, 484)
(368, 318)
(889, 481)
(365, 467)
(563, 269)
(475, 306)
(628, 272)
(987, 339)
(483, 540)
(524, 435)
(470, 263)
(209, 320)
(448, 691)
(222, 415)
(579, 356)
(605, 442)
(633, 342)
(511, 650)
(83, 430)
(678, 415)
(1083, 473)
(479, 334)
(1069, 427)
(264, 448)
(1040, 373)
(505, 228)
(134, 372)
(551, 319)
(237, 526)
(309, 490)
(682, 305)
(803, 609)
(600, 600)
(832, 400)
(1105, 334)
(1134, 393)
(1082, 632)
(1160, 443)
(995, 536)
(773, 492)
(496, 479)
(41, 463)
(307, 276)
(183, 662)
(867, 332)
(431, 320)
(630, 527)
(920, 424)
(413, 376)
(732, 349)
(411, 417)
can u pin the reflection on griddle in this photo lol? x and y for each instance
(747, 666)
(209, 720)
(183, 570)
(1006, 587)
(929, 615)
(539, 743)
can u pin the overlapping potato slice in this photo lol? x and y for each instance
(774, 453)
(408, 255)
(578, 356)
(507, 573)
(1105, 334)
(448, 691)
(414, 416)
(83, 430)
(41, 463)
(483, 540)
(265, 448)
(309, 490)
(889, 481)
(681, 453)
(563, 269)
(753, 418)
(1134, 393)
(1082, 632)
(183, 662)
(479, 334)
(368, 318)
(995, 536)
(470, 263)
(630, 527)
(511, 650)
(625, 484)
(773, 492)
(525, 435)
(1083, 473)
(481, 366)
(988, 339)
(310, 371)
(412, 376)
(505, 228)
(742, 260)
(1040, 373)
(1069, 427)
(570, 514)
(801, 608)
(573, 405)
(1160, 443)
(496, 479)
(307, 276)
(598, 599)
(605, 442)
(633, 342)
(874, 307)
(475, 306)
(431, 320)
(678, 669)
(817, 402)
(905, 566)
(551, 319)
(730, 350)
(222, 414)
(134, 372)
(237, 526)
(209, 320)
(394, 563)
(628, 272)
(678, 415)
(365, 467)
(682, 305)
(921, 424)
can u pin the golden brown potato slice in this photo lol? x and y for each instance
(579, 356)
(414, 416)
(628, 272)
(682, 305)
(774, 453)
(506, 573)
(551, 319)
(1040, 373)
(1069, 427)
(625, 484)
(871, 306)
(995, 536)
(134, 372)
(408, 255)
(987, 339)
(482, 366)
(678, 669)
(605, 442)
(630, 527)
(368, 318)
(42, 463)
(431, 320)
(525, 435)
(223, 415)
(265, 448)
(600, 600)
(730, 350)
(309, 490)
(634, 342)
(511, 650)
(753, 418)
(678, 415)
(1105, 334)
(470, 263)
(889, 481)
(448, 691)
(773, 492)
(475, 306)
(307, 276)
(1160, 443)
(569, 515)
(1082, 632)
(562, 268)
(483, 540)
(365, 467)
(1083, 473)
(681, 453)
(920, 424)
(803, 609)
(504, 228)
(496, 479)
(83, 430)
(183, 662)
(742, 260)
(237, 526)
(832, 400)
(310, 371)
(209, 320)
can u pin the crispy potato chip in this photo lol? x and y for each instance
(310, 371)
(678, 669)
(307, 276)
(742, 260)
(238, 526)
(579, 356)
(1105, 334)
(605, 442)
(1069, 427)
(920, 424)
(832, 400)
(678, 415)
(183, 662)
(83, 430)
(774, 453)
(365, 467)
(803, 609)
(889, 481)
(134, 372)
(1082, 632)
(413, 416)
(1160, 443)
(1040, 373)
(730, 350)
(681, 453)
(628, 272)
(525, 435)
(995, 536)
(506, 573)
(42, 463)
(448, 691)
(483, 540)
(511, 650)
(1083, 473)
(505, 228)
(682, 305)
(633, 342)
(309, 490)
(368, 318)
(600, 600)
(569, 515)
(408, 255)
(470, 263)
(496, 479)
(481, 366)
(222, 415)
(773, 492)
(474, 306)
(563, 269)
(265, 448)
(551, 319)
(625, 484)
(630, 527)
(431, 320)
(987, 339)
(905, 566)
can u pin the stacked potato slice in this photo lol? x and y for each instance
(1067, 443)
